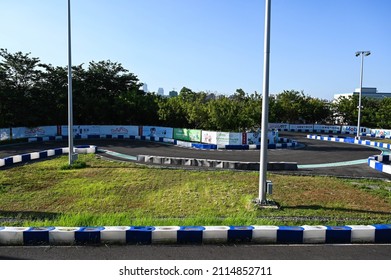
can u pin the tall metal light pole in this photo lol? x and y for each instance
(362, 53)
(70, 109)
(265, 109)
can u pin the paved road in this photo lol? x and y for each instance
(310, 152)
(202, 252)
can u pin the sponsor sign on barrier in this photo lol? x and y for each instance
(279, 126)
(301, 127)
(80, 130)
(253, 138)
(191, 135)
(156, 131)
(4, 134)
(229, 138)
(25, 132)
(327, 128)
(353, 129)
(381, 133)
(209, 137)
(119, 130)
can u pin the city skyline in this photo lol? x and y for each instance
(213, 46)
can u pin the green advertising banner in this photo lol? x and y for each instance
(192, 135)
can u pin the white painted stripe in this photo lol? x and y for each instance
(114, 234)
(62, 235)
(215, 234)
(166, 234)
(265, 234)
(34, 155)
(17, 158)
(314, 234)
(362, 233)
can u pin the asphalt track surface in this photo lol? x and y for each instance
(309, 154)
(200, 252)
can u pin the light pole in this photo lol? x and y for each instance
(362, 53)
(70, 110)
(265, 110)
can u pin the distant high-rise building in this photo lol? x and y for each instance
(160, 91)
(145, 87)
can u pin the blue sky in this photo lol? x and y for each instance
(213, 45)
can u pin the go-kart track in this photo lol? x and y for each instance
(313, 157)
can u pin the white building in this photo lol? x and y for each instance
(160, 91)
(145, 88)
(369, 92)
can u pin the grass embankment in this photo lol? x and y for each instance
(113, 193)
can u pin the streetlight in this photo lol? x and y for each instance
(70, 110)
(265, 110)
(362, 53)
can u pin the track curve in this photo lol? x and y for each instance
(311, 152)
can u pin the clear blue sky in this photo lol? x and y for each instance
(213, 45)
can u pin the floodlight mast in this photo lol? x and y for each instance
(70, 109)
(265, 109)
(362, 53)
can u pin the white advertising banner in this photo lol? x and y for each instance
(349, 129)
(119, 130)
(4, 134)
(228, 138)
(209, 137)
(279, 126)
(321, 127)
(156, 131)
(25, 132)
(80, 130)
(253, 138)
(381, 133)
(301, 127)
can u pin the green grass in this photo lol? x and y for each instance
(113, 193)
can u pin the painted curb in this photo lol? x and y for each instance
(30, 236)
(377, 162)
(8, 161)
(211, 163)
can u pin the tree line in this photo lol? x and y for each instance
(33, 93)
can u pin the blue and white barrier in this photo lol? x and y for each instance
(195, 234)
(376, 162)
(8, 161)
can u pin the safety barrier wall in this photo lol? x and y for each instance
(378, 233)
(45, 154)
(183, 134)
(378, 162)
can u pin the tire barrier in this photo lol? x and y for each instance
(210, 163)
(256, 234)
(8, 161)
(378, 162)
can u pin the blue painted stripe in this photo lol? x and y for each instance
(37, 236)
(240, 233)
(190, 234)
(26, 157)
(290, 234)
(382, 233)
(88, 235)
(139, 235)
(338, 234)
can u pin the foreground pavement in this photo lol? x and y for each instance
(200, 252)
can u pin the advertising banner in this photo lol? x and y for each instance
(80, 130)
(128, 130)
(191, 135)
(229, 138)
(156, 131)
(349, 129)
(253, 138)
(4, 134)
(26, 132)
(322, 127)
(209, 137)
(381, 133)
(301, 127)
(279, 126)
